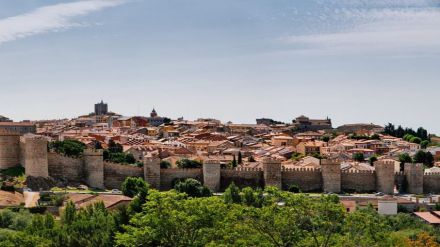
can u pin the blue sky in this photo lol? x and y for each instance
(352, 60)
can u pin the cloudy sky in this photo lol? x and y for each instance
(352, 60)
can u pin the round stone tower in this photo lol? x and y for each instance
(384, 176)
(35, 156)
(9, 149)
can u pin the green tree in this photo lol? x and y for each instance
(186, 163)
(240, 158)
(424, 144)
(71, 148)
(192, 188)
(233, 163)
(404, 158)
(416, 140)
(165, 164)
(372, 159)
(359, 157)
(168, 219)
(325, 138)
(366, 228)
(114, 147)
(134, 186)
(232, 194)
(425, 158)
(69, 214)
(251, 159)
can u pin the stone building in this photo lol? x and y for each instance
(19, 128)
(4, 119)
(303, 124)
(101, 108)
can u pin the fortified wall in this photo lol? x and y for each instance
(31, 152)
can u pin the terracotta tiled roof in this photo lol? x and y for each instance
(428, 217)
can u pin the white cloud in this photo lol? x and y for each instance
(50, 18)
(380, 31)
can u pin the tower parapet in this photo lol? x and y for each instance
(152, 171)
(272, 173)
(414, 177)
(94, 168)
(211, 175)
(384, 176)
(331, 176)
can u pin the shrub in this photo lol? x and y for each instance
(71, 148)
(294, 188)
(192, 188)
(186, 163)
(165, 164)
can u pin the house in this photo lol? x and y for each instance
(432, 218)
(366, 152)
(10, 199)
(309, 148)
(111, 202)
(282, 141)
(303, 124)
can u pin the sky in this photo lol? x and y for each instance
(355, 61)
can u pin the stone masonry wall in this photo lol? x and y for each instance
(308, 180)
(211, 175)
(364, 181)
(242, 177)
(169, 176)
(331, 176)
(431, 183)
(115, 174)
(9, 150)
(62, 167)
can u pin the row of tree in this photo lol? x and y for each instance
(187, 216)
(400, 132)
(421, 156)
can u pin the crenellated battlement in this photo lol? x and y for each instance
(243, 169)
(358, 172)
(301, 169)
(31, 151)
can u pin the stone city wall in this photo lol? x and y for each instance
(115, 174)
(170, 176)
(9, 150)
(242, 177)
(66, 168)
(358, 181)
(431, 183)
(307, 179)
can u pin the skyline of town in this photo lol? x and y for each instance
(335, 122)
(235, 61)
